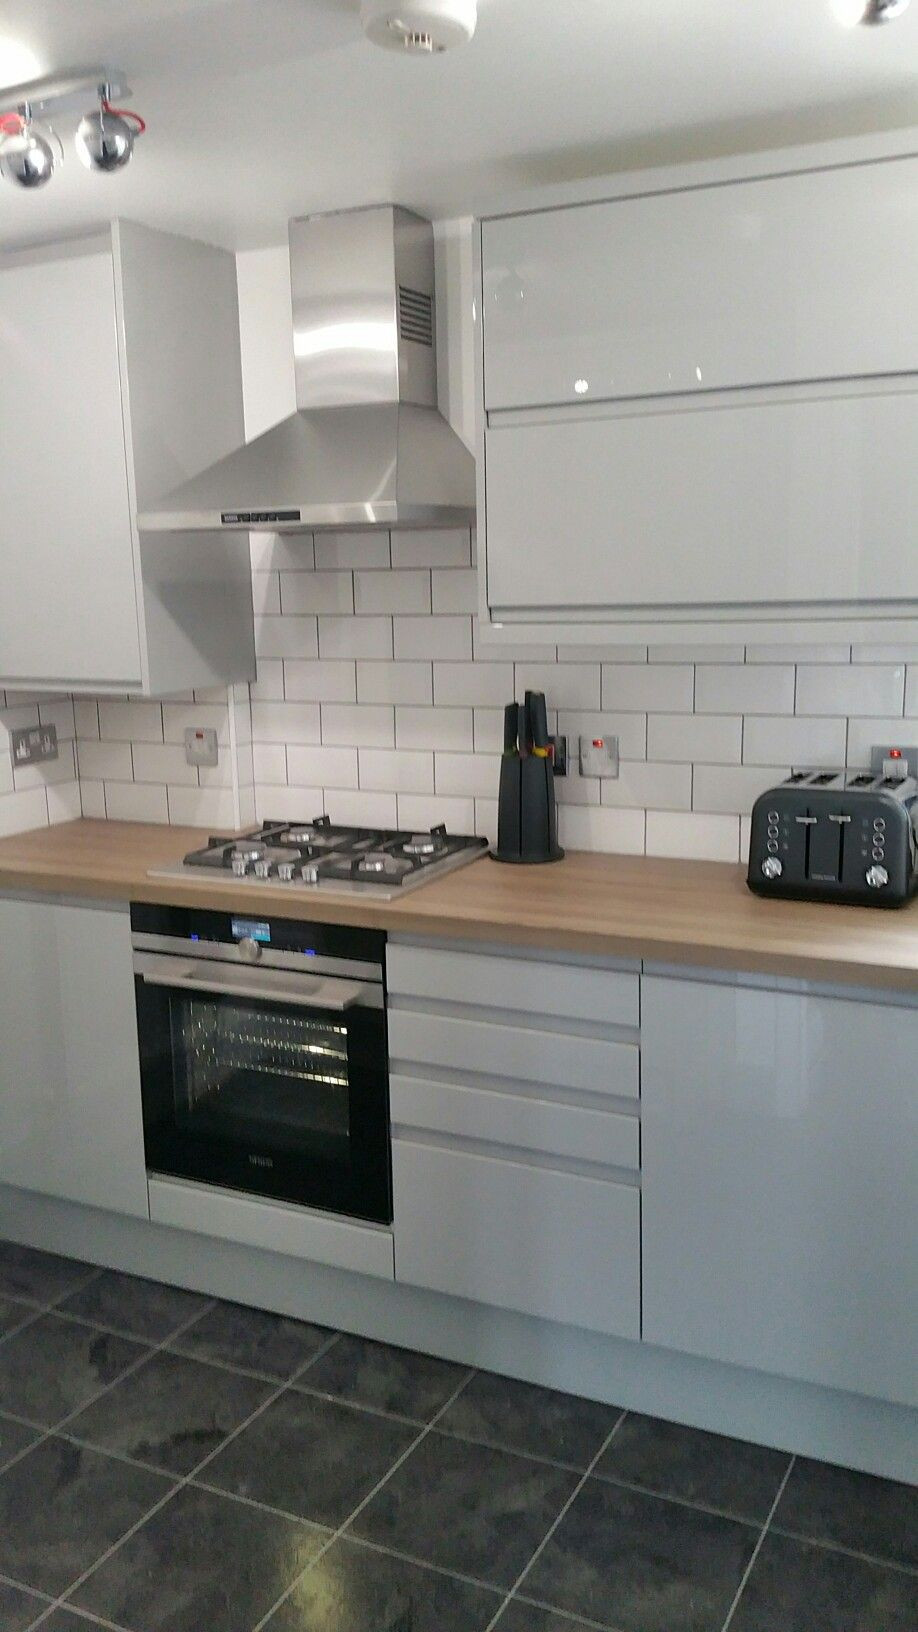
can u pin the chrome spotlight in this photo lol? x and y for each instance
(105, 138)
(882, 11)
(26, 157)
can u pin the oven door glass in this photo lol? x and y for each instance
(268, 1098)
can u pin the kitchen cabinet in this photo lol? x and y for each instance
(514, 1089)
(692, 416)
(119, 356)
(71, 1123)
(779, 1152)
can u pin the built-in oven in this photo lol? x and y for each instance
(263, 1056)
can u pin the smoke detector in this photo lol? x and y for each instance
(420, 27)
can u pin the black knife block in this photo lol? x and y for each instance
(527, 817)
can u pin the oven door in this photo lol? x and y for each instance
(265, 1081)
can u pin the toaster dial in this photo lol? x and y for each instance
(877, 877)
(772, 867)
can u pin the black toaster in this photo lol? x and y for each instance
(849, 836)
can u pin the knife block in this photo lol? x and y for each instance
(527, 817)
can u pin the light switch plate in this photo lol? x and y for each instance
(599, 756)
(881, 752)
(201, 746)
(33, 745)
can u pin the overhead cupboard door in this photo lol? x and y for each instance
(760, 282)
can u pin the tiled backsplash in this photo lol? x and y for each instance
(37, 795)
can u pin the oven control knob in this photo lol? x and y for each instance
(249, 950)
(877, 877)
(772, 867)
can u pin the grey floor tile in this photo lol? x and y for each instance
(171, 1412)
(876, 1516)
(309, 1456)
(520, 1616)
(13, 1315)
(467, 1508)
(536, 1421)
(14, 1437)
(729, 1474)
(642, 1564)
(62, 1506)
(68, 1620)
(253, 1339)
(18, 1610)
(798, 1587)
(53, 1366)
(203, 1563)
(42, 1276)
(385, 1378)
(143, 1309)
(354, 1589)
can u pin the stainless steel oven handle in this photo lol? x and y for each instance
(304, 991)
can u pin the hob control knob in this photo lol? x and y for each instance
(877, 877)
(772, 867)
(249, 950)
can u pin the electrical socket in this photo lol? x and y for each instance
(33, 745)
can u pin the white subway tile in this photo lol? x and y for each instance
(21, 812)
(269, 685)
(421, 812)
(686, 833)
(365, 725)
(745, 835)
(394, 682)
(574, 789)
(488, 728)
(286, 637)
(467, 775)
(489, 646)
(266, 594)
(751, 688)
(891, 733)
(6, 774)
(322, 767)
(354, 549)
(202, 807)
(305, 592)
(695, 654)
(664, 687)
(911, 690)
(566, 685)
(286, 722)
(247, 807)
(846, 689)
(797, 653)
(473, 683)
(108, 761)
(86, 718)
(602, 654)
(714, 738)
(135, 802)
(732, 789)
(398, 591)
(276, 552)
(131, 722)
(651, 787)
(92, 799)
(455, 591)
(355, 637)
(631, 730)
(585, 827)
(361, 809)
(320, 681)
(433, 637)
(62, 769)
(440, 547)
(292, 804)
(781, 741)
(884, 654)
(387, 770)
(443, 728)
(164, 762)
(226, 774)
(60, 715)
(181, 717)
(486, 819)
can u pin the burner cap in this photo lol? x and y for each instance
(248, 852)
(380, 862)
(423, 844)
(299, 835)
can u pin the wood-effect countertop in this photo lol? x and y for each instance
(692, 912)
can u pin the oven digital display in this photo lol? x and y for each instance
(246, 929)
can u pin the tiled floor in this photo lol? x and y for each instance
(172, 1464)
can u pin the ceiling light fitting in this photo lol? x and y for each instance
(30, 152)
(872, 12)
(419, 27)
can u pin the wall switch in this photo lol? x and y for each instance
(33, 745)
(894, 760)
(201, 746)
(599, 756)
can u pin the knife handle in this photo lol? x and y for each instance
(512, 728)
(538, 723)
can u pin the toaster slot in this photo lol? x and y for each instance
(824, 855)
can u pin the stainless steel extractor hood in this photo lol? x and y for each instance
(367, 446)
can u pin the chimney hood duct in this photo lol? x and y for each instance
(367, 446)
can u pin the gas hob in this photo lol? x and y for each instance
(316, 855)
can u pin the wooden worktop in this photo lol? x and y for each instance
(692, 912)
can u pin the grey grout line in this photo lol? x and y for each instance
(336, 1536)
(576, 1621)
(848, 1552)
(757, 1548)
(552, 1528)
(369, 1546)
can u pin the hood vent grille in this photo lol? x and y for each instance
(415, 316)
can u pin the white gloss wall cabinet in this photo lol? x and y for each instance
(694, 417)
(70, 1108)
(119, 357)
(780, 1213)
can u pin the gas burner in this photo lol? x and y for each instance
(424, 844)
(379, 863)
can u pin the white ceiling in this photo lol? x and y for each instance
(262, 109)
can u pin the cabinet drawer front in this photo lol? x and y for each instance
(702, 289)
(605, 1137)
(608, 996)
(506, 1051)
(550, 1244)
